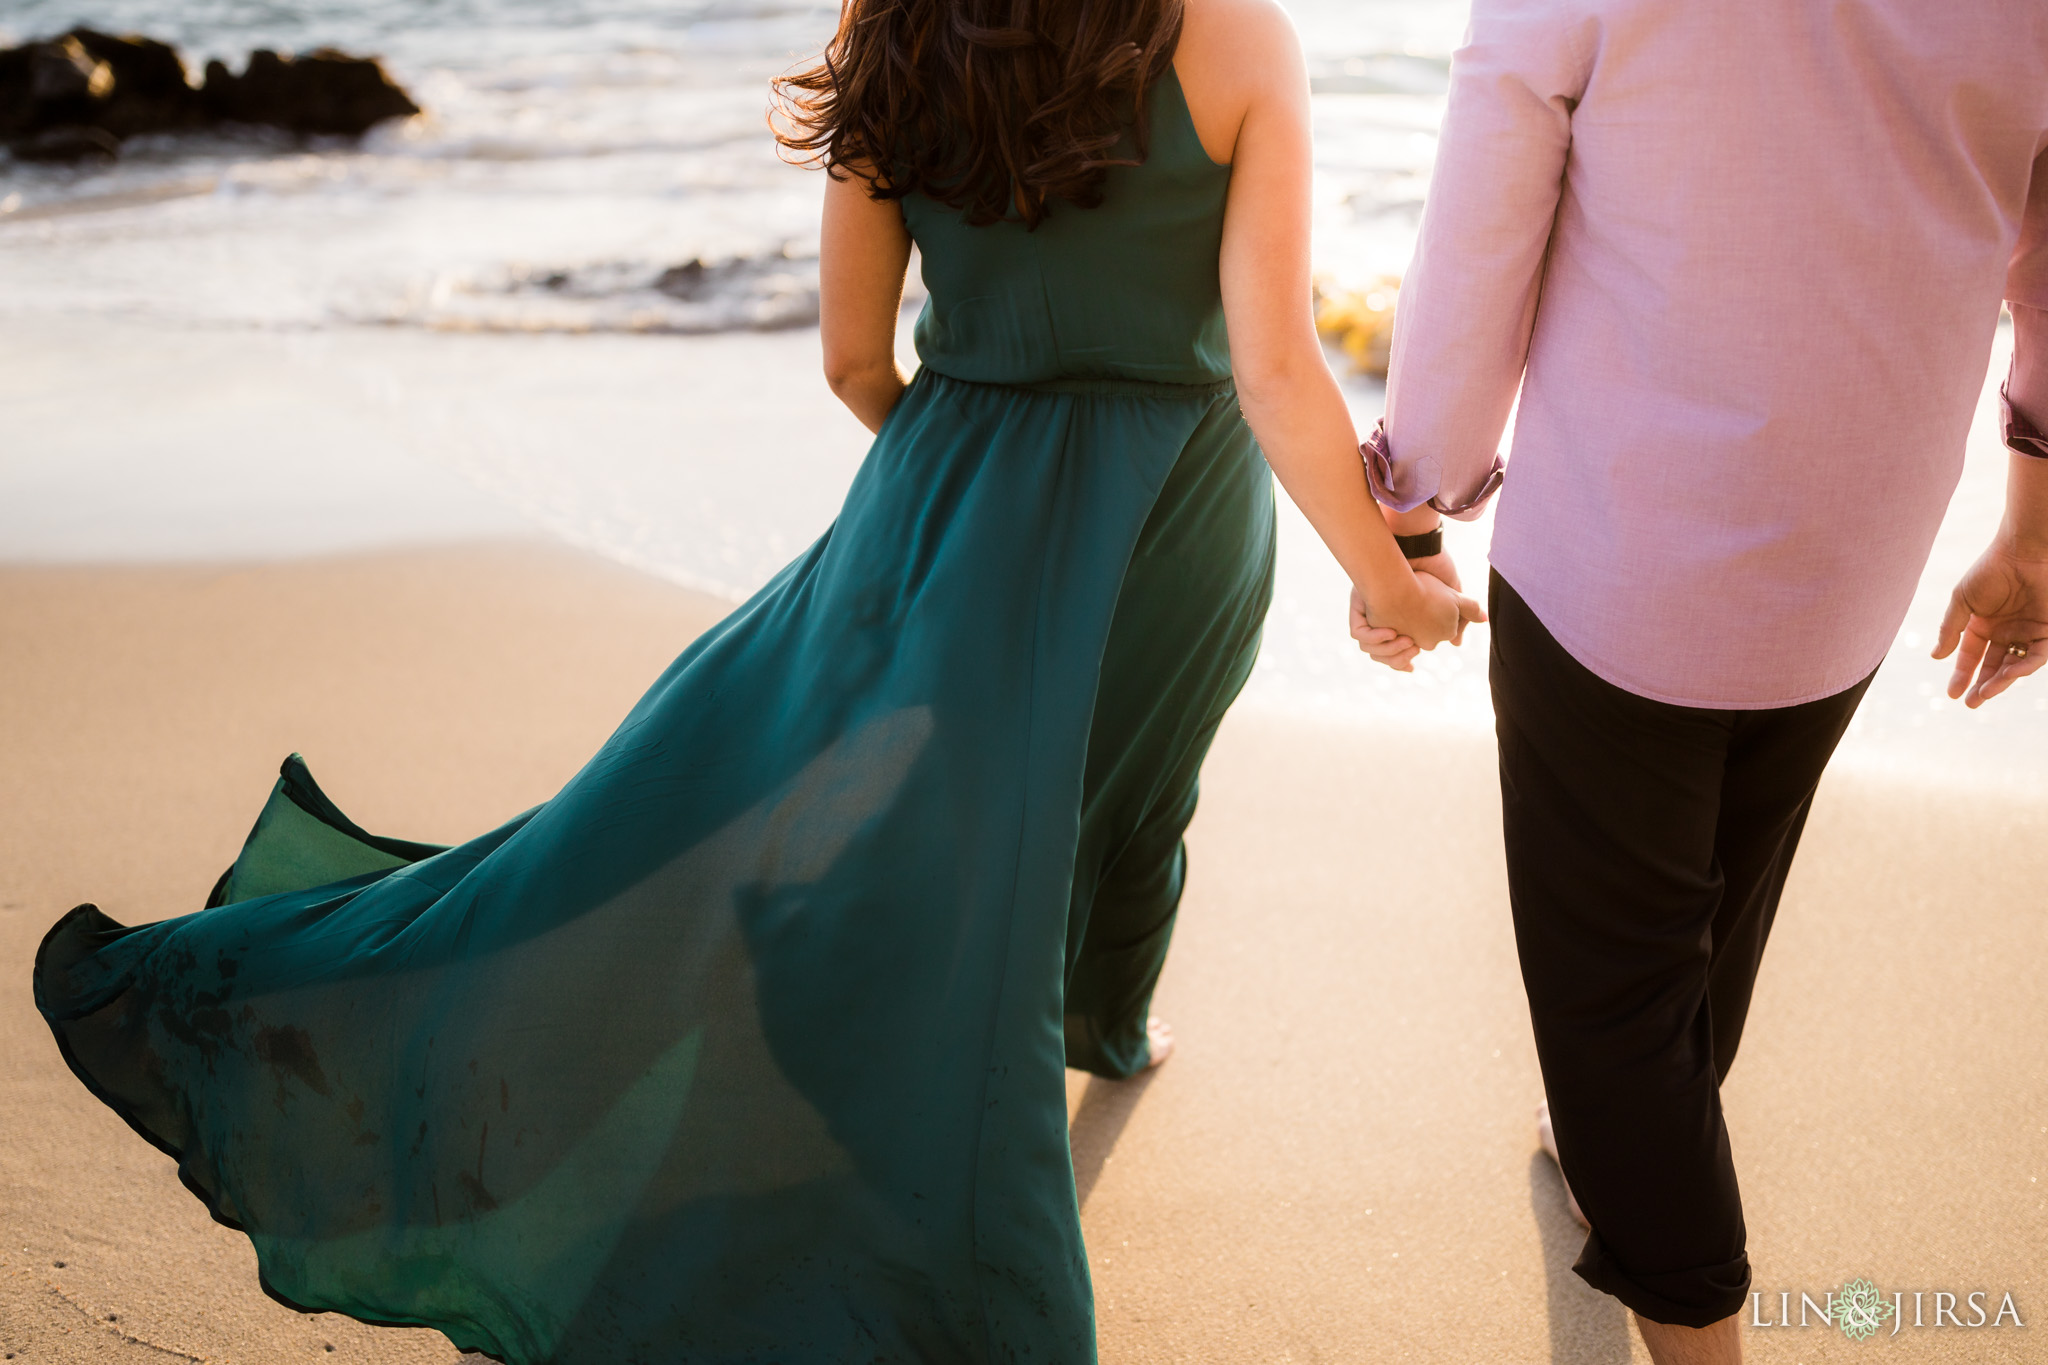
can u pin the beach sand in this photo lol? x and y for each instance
(1339, 1165)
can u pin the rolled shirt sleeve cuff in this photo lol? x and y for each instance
(1406, 487)
(2020, 434)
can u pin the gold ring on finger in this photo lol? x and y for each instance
(2016, 651)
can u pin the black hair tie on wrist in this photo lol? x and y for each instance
(1423, 546)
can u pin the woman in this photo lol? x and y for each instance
(748, 1045)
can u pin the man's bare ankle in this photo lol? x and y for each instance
(1717, 1344)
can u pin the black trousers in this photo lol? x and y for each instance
(1647, 845)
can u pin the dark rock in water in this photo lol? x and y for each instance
(683, 281)
(323, 91)
(55, 92)
(71, 142)
(150, 92)
(50, 84)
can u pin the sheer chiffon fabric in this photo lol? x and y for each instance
(749, 1044)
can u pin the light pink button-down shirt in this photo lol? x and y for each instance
(1744, 261)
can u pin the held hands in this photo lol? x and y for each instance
(1999, 616)
(1393, 633)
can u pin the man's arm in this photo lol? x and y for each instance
(1461, 335)
(1461, 331)
(1997, 619)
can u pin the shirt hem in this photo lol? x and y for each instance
(1591, 662)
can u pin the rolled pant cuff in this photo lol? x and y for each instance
(1699, 1297)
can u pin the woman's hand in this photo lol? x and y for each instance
(1383, 644)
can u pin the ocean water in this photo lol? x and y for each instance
(579, 287)
(594, 167)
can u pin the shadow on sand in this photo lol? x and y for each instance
(1586, 1326)
(1106, 1106)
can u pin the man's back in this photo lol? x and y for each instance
(1769, 238)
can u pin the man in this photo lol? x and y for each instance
(1744, 263)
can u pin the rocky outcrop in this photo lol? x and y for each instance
(150, 93)
(323, 91)
(50, 85)
(78, 96)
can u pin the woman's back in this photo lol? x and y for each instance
(1126, 290)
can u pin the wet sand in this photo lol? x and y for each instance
(1339, 1165)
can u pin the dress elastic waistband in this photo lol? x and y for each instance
(1099, 388)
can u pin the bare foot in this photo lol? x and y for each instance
(1720, 1344)
(1159, 1034)
(1549, 1140)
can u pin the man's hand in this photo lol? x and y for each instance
(1444, 570)
(2001, 603)
(1390, 647)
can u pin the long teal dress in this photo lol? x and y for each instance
(748, 1045)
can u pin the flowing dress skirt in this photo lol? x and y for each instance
(748, 1045)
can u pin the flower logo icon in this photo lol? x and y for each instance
(1860, 1309)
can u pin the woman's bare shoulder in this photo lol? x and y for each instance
(1245, 36)
(1232, 54)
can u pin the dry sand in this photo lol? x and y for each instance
(1338, 1166)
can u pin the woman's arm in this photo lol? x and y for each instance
(1244, 54)
(863, 253)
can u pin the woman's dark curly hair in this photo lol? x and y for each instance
(993, 107)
